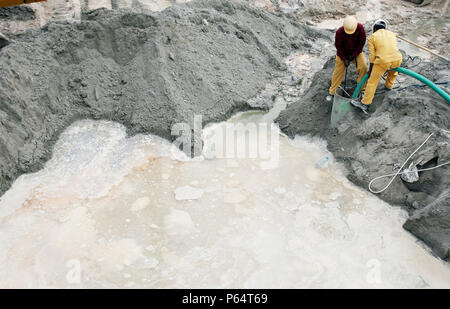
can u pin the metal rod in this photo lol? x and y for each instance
(424, 48)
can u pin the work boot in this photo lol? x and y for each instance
(358, 104)
(386, 89)
(330, 98)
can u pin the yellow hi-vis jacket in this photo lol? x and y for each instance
(383, 47)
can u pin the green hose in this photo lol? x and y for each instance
(419, 77)
(424, 80)
(359, 86)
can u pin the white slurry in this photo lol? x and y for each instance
(112, 211)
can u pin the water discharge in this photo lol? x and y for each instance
(112, 211)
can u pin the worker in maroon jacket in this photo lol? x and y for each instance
(349, 41)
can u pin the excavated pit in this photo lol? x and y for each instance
(149, 71)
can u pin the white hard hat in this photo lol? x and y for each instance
(350, 24)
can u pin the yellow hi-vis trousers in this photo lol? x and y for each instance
(377, 72)
(339, 71)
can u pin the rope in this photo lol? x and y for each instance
(412, 59)
(398, 88)
(394, 175)
(421, 85)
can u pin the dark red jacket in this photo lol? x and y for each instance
(350, 45)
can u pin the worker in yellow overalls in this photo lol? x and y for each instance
(384, 56)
